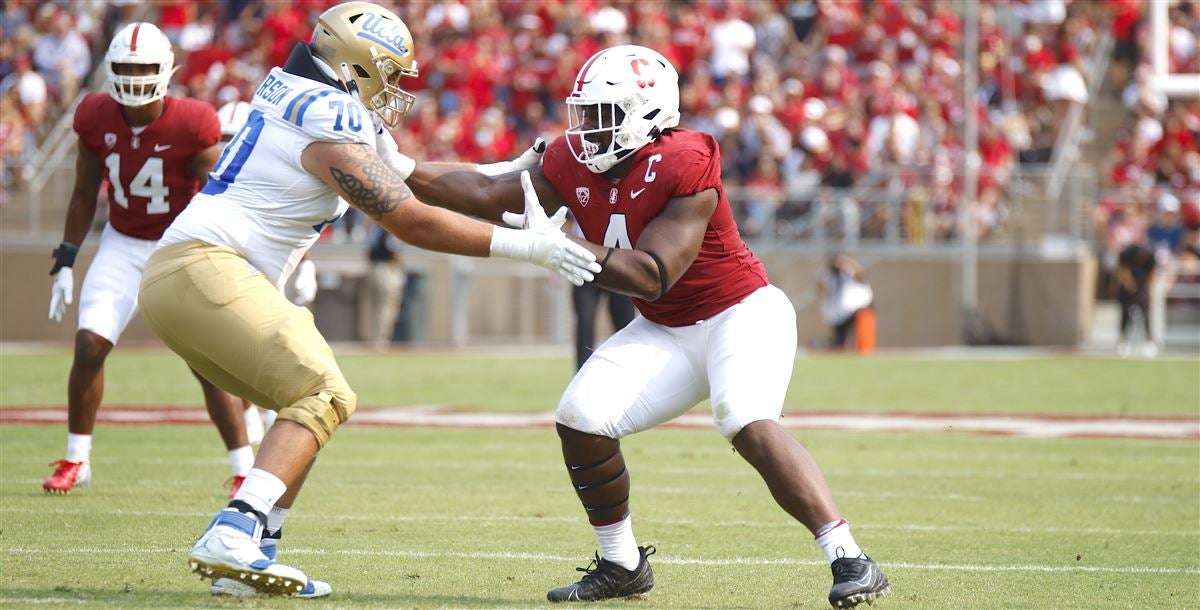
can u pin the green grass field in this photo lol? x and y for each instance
(425, 518)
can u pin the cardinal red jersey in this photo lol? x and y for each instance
(147, 173)
(680, 163)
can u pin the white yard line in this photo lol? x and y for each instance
(737, 468)
(1026, 426)
(730, 523)
(663, 559)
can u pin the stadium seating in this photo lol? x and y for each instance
(825, 109)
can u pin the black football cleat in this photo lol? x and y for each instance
(856, 580)
(604, 579)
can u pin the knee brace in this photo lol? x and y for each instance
(597, 470)
(322, 412)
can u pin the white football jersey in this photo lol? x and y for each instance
(259, 200)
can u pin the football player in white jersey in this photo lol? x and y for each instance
(211, 289)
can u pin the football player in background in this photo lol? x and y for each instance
(154, 150)
(211, 289)
(649, 199)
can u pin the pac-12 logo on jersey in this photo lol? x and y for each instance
(583, 194)
(110, 140)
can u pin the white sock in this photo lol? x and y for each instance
(617, 543)
(275, 518)
(261, 490)
(79, 447)
(241, 460)
(835, 539)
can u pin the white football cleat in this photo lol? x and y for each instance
(228, 550)
(228, 586)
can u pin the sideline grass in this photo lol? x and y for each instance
(1060, 385)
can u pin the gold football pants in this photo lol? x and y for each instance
(235, 328)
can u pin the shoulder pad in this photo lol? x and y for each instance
(328, 115)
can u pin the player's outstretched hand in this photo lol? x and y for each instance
(542, 241)
(530, 159)
(62, 293)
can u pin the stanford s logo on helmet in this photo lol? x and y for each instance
(137, 49)
(623, 98)
(370, 49)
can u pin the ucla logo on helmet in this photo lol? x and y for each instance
(383, 31)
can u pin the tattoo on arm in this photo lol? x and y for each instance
(374, 188)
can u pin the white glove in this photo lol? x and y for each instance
(305, 283)
(389, 151)
(531, 158)
(62, 293)
(542, 241)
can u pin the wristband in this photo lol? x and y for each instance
(402, 164)
(511, 243)
(64, 256)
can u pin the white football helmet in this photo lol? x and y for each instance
(629, 92)
(144, 44)
(370, 49)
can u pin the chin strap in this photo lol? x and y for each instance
(351, 86)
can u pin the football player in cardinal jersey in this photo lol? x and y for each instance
(649, 198)
(211, 289)
(153, 150)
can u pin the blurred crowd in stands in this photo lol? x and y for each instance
(1152, 195)
(838, 117)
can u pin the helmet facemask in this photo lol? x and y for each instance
(391, 102)
(137, 89)
(598, 134)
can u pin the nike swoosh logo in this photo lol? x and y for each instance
(866, 579)
(634, 194)
(161, 147)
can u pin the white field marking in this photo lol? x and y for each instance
(38, 601)
(734, 523)
(661, 559)
(650, 490)
(1026, 426)
(647, 490)
(719, 468)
